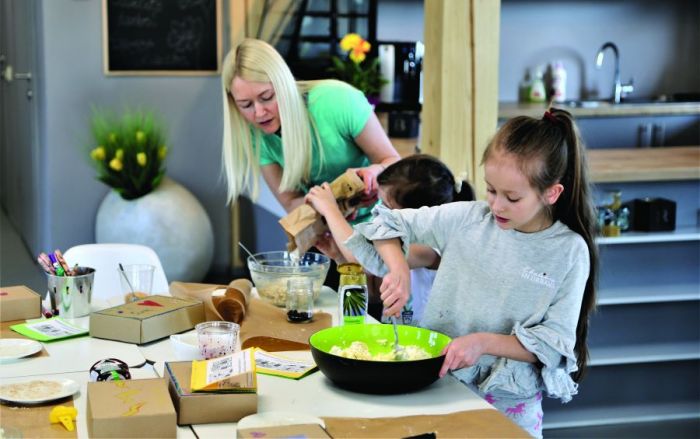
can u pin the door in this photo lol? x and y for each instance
(19, 134)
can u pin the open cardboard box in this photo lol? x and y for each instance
(19, 303)
(148, 319)
(130, 408)
(205, 408)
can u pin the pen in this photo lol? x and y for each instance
(57, 267)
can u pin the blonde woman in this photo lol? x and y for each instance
(296, 134)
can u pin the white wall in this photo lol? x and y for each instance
(73, 81)
(659, 43)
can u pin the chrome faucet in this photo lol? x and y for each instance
(619, 89)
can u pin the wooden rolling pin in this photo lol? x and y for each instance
(232, 306)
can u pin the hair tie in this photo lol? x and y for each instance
(458, 181)
(550, 117)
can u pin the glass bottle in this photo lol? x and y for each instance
(352, 294)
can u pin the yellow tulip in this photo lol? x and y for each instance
(357, 57)
(112, 137)
(140, 136)
(162, 152)
(350, 41)
(116, 164)
(98, 153)
(359, 52)
(141, 159)
(119, 154)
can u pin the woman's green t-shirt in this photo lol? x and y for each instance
(340, 113)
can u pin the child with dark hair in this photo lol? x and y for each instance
(415, 181)
(516, 282)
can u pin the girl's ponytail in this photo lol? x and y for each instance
(576, 210)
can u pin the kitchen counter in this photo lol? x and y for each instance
(506, 110)
(644, 164)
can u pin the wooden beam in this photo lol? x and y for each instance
(460, 109)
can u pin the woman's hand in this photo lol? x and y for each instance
(369, 175)
(327, 245)
(462, 352)
(395, 290)
(321, 198)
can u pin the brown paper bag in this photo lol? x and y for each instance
(304, 225)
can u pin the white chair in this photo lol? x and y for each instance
(105, 259)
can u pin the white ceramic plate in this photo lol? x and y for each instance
(278, 418)
(13, 348)
(38, 390)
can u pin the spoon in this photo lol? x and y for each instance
(121, 270)
(248, 251)
(398, 351)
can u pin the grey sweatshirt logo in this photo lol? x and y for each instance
(542, 279)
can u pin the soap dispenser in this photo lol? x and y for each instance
(537, 91)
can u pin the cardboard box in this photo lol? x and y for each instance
(19, 303)
(130, 408)
(284, 431)
(148, 319)
(205, 408)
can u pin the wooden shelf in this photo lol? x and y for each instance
(506, 110)
(653, 294)
(644, 164)
(648, 353)
(615, 414)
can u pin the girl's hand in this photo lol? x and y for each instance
(395, 291)
(462, 352)
(321, 198)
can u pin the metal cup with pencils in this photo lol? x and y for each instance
(69, 289)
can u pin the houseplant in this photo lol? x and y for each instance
(145, 206)
(354, 67)
(129, 152)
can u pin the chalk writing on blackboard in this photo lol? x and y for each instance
(162, 35)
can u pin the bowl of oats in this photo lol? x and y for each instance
(270, 272)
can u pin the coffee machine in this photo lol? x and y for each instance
(401, 64)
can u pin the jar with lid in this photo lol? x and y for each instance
(352, 294)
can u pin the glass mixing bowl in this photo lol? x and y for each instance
(271, 271)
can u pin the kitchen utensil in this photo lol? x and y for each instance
(247, 251)
(378, 377)
(397, 349)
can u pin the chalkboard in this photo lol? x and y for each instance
(162, 37)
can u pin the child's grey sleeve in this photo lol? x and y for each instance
(366, 254)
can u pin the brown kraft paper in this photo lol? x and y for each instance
(33, 421)
(485, 423)
(304, 225)
(265, 325)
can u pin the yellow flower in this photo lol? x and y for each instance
(112, 137)
(140, 136)
(350, 41)
(141, 159)
(98, 153)
(162, 152)
(119, 154)
(116, 164)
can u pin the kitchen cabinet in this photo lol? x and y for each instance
(644, 337)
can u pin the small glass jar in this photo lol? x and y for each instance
(300, 300)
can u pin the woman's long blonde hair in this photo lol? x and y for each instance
(256, 60)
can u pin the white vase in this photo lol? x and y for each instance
(170, 220)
